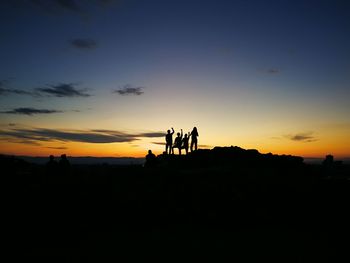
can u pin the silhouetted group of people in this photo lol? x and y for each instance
(62, 165)
(181, 141)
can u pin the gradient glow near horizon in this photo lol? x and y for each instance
(108, 78)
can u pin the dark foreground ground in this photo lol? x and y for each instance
(237, 211)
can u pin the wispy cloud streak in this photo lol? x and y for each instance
(302, 137)
(54, 6)
(129, 90)
(87, 136)
(6, 91)
(63, 90)
(30, 111)
(83, 43)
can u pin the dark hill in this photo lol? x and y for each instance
(224, 204)
(229, 156)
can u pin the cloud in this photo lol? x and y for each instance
(302, 137)
(136, 135)
(68, 4)
(151, 134)
(29, 142)
(273, 71)
(87, 136)
(105, 3)
(204, 146)
(54, 6)
(58, 90)
(30, 111)
(6, 91)
(129, 90)
(159, 143)
(269, 70)
(58, 148)
(83, 43)
(63, 135)
(63, 90)
(5, 138)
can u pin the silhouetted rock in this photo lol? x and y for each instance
(231, 156)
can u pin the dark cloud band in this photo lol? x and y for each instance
(88, 136)
(129, 90)
(6, 91)
(83, 43)
(54, 6)
(302, 137)
(63, 90)
(30, 111)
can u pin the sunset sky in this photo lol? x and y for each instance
(108, 78)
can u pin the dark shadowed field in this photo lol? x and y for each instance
(217, 206)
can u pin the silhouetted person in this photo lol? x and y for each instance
(169, 141)
(178, 142)
(328, 160)
(64, 163)
(150, 159)
(185, 142)
(194, 134)
(51, 165)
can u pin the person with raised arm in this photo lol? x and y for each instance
(178, 142)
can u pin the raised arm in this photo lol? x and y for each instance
(172, 130)
(181, 133)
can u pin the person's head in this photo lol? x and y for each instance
(186, 135)
(63, 156)
(51, 157)
(178, 134)
(194, 129)
(149, 152)
(168, 131)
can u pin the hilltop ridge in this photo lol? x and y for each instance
(228, 156)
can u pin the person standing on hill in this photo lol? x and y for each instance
(150, 159)
(64, 164)
(51, 166)
(169, 141)
(178, 142)
(185, 142)
(194, 141)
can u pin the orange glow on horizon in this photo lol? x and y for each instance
(140, 149)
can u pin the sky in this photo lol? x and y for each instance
(108, 78)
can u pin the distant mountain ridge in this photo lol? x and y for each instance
(86, 160)
(217, 155)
